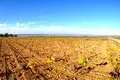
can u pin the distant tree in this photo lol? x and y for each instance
(1, 35)
(11, 35)
(6, 35)
(15, 35)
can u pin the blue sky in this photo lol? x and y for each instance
(101, 17)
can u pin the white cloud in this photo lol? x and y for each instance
(4, 24)
(89, 22)
(21, 28)
(20, 24)
(29, 23)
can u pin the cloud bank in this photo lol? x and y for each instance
(25, 28)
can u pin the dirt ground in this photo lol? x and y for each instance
(59, 58)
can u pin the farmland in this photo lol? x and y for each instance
(59, 58)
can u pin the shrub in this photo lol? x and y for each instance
(50, 60)
(82, 62)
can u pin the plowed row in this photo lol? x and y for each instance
(57, 58)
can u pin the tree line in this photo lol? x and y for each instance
(8, 35)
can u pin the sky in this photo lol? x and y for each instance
(96, 17)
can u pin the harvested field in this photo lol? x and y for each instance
(59, 58)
